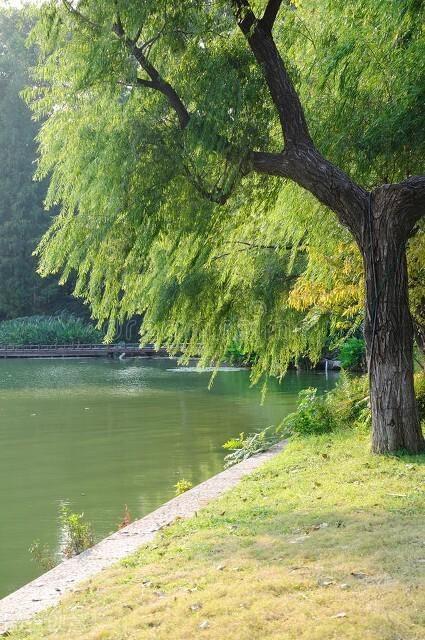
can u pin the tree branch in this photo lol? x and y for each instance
(329, 184)
(412, 192)
(141, 82)
(118, 26)
(163, 87)
(248, 246)
(156, 80)
(215, 195)
(270, 14)
(252, 245)
(80, 16)
(300, 160)
(285, 98)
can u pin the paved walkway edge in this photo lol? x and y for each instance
(47, 590)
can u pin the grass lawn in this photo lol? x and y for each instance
(326, 541)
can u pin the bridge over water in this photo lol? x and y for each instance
(80, 350)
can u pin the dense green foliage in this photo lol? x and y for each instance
(22, 219)
(235, 353)
(352, 354)
(61, 329)
(312, 417)
(165, 222)
(346, 406)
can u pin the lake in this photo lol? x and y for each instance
(100, 434)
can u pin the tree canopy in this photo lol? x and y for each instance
(154, 112)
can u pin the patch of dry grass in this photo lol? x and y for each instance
(324, 542)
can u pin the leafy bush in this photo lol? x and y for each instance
(350, 400)
(182, 486)
(62, 329)
(313, 416)
(77, 534)
(352, 354)
(235, 353)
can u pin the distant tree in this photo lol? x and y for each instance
(164, 135)
(22, 218)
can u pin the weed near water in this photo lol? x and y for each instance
(76, 536)
(182, 486)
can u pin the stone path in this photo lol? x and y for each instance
(47, 590)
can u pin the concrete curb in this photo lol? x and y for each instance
(47, 590)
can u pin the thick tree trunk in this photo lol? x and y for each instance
(389, 336)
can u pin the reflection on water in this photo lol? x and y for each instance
(105, 433)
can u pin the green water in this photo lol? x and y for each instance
(105, 433)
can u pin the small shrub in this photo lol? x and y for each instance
(235, 353)
(42, 555)
(352, 354)
(312, 417)
(182, 486)
(244, 447)
(77, 534)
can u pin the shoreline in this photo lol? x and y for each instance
(47, 590)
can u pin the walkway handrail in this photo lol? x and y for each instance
(76, 345)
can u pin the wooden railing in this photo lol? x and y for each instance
(77, 349)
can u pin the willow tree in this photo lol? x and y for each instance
(202, 151)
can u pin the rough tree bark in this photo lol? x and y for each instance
(389, 329)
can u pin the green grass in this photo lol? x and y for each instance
(324, 542)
